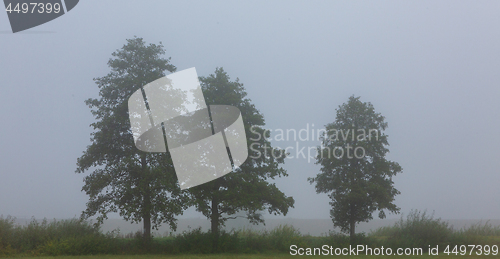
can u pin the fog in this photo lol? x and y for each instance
(430, 67)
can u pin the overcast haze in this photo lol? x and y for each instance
(431, 68)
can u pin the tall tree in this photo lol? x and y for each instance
(246, 189)
(354, 171)
(139, 186)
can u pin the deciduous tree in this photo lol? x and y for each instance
(245, 192)
(140, 186)
(354, 171)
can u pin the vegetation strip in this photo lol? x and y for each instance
(77, 237)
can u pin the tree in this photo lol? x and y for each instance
(140, 186)
(246, 189)
(354, 171)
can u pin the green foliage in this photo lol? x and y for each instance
(194, 241)
(84, 245)
(253, 241)
(281, 237)
(38, 233)
(7, 232)
(479, 229)
(63, 237)
(140, 186)
(420, 230)
(423, 230)
(354, 172)
(278, 239)
(477, 234)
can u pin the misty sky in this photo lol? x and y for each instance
(431, 68)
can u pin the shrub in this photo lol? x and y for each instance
(6, 234)
(283, 236)
(481, 230)
(194, 241)
(477, 234)
(419, 230)
(251, 241)
(53, 238)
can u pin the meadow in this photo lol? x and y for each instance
(79, 239)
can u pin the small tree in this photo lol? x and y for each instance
(140, 186)
(354, 171)
(246, 189)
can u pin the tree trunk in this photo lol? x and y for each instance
(146, 218)
(352, 207)
(352, 224)
(215, 220)
(146, 205)
(147, 227)
(352, 230)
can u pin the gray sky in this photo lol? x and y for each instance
(431, 68)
